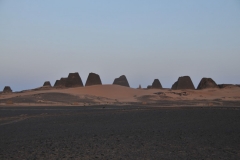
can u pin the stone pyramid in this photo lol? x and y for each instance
(156, 84)
(47, 84)
(7, 89)
(93, 79)
(207, 83)
(122, 81)
(184, 82)
(74, 80)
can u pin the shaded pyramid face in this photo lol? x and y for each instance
(7, 89)
(122, 81)
(156, 84)
(174, 86)
(93, 79)
(57, 83)
(207, 83)
(47, 84)
(184, 82)
(61, 82)
(74, 80)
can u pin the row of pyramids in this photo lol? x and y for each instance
(74, 80)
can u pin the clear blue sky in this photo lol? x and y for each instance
(46, 39)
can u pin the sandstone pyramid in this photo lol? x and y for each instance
(56, 84)
(61, 82)
(184, 82)
(122, 81)
(74, 80)
(207, 83)
(93, 79)
(7, 89)
(47, 84)
(156, 84)
(174, 86)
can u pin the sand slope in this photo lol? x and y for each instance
(117, 93)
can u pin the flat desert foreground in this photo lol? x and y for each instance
(119, 132)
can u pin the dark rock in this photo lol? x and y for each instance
(184, 82)
(61, 82)
(56, 84)
(47, 84)
(93, 79)
(122, 81)
(174, 86)
(7, 89)
(149, 87)
(207, 83)
(156, 84)
(227, 85)
(74, 80)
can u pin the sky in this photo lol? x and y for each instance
(44, 40)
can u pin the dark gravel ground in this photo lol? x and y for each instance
(113, 132)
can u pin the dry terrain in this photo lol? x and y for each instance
(119, 132)
(119, 95)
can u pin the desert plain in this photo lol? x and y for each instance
(119, 132)
(119, 122)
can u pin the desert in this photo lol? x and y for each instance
(71, 91)
(119, 132)
(124, 80)
(115, 121)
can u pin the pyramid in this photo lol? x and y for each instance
(74, 80)
(184, 82)
(122, 81)
(174, 86)
(47, 84)
(93, 79)
(61, 82)
(156, 84)
(7, 89)
(207, 83)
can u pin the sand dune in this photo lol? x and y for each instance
(108, 91)
(116, 93)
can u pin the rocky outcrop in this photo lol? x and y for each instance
(156, 84)
(149, 87)
(7, 89)
(61, 82)
(228, 86)
(122, 81)
(47, 84)
(207, 83)
(184, 82)
(93, 79)
(74, 80)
